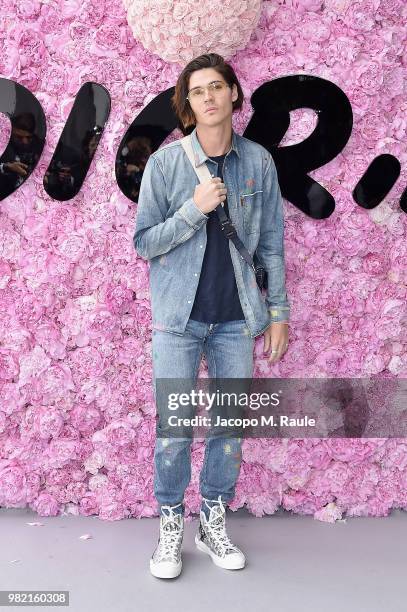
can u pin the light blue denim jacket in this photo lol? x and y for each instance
(170, 231)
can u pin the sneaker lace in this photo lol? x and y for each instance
(170, 533)
(216, 524)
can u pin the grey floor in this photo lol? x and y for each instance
(294, 563)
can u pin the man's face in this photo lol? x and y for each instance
(220, 97)
(21, 139)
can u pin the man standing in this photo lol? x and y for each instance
(204, 296)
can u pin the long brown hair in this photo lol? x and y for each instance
(179, 100)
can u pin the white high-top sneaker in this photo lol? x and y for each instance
(166, 560)
(213, 540)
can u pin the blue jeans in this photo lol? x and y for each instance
(228, 348)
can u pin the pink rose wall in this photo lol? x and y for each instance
(77, 414)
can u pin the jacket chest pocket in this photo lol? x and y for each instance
(251, 204)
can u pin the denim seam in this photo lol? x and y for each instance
(205, 466)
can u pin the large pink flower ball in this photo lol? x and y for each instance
(178, 31)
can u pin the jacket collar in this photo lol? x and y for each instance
(200, 155)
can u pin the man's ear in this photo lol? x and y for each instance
(235, 93)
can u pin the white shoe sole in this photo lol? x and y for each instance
(165, 570)
(224, 563)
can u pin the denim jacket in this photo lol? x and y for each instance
(170, 231)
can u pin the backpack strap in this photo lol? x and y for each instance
(204, 175)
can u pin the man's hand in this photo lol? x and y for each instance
(17, 167)
(207, 196)
(276, 339)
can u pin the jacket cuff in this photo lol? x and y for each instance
(192, 214)
(279, 314)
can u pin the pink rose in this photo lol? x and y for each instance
(375, 263)
(368, 75)
(28, 9)
(45, 505)
(358, 18)
(116, 297)
(302, 6)
(315, 28)
(337, 7)
(12, 485)
(87, 361)
(48, 422)
(31, 46)
(111, 38)
(61, 452)
(57, 476)
(354, 450)
(85, 418)
(180, 10)
(391, 9)
(285, 18)
(75, 491)
(88, 504)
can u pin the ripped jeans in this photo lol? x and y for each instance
(228, 349)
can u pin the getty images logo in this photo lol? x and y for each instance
(271, 102)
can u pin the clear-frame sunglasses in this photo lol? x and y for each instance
(197, 93)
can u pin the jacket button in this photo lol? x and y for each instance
(201, 245)
(189, 301)
(195, 274)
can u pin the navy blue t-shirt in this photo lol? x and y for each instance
(217, 298)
